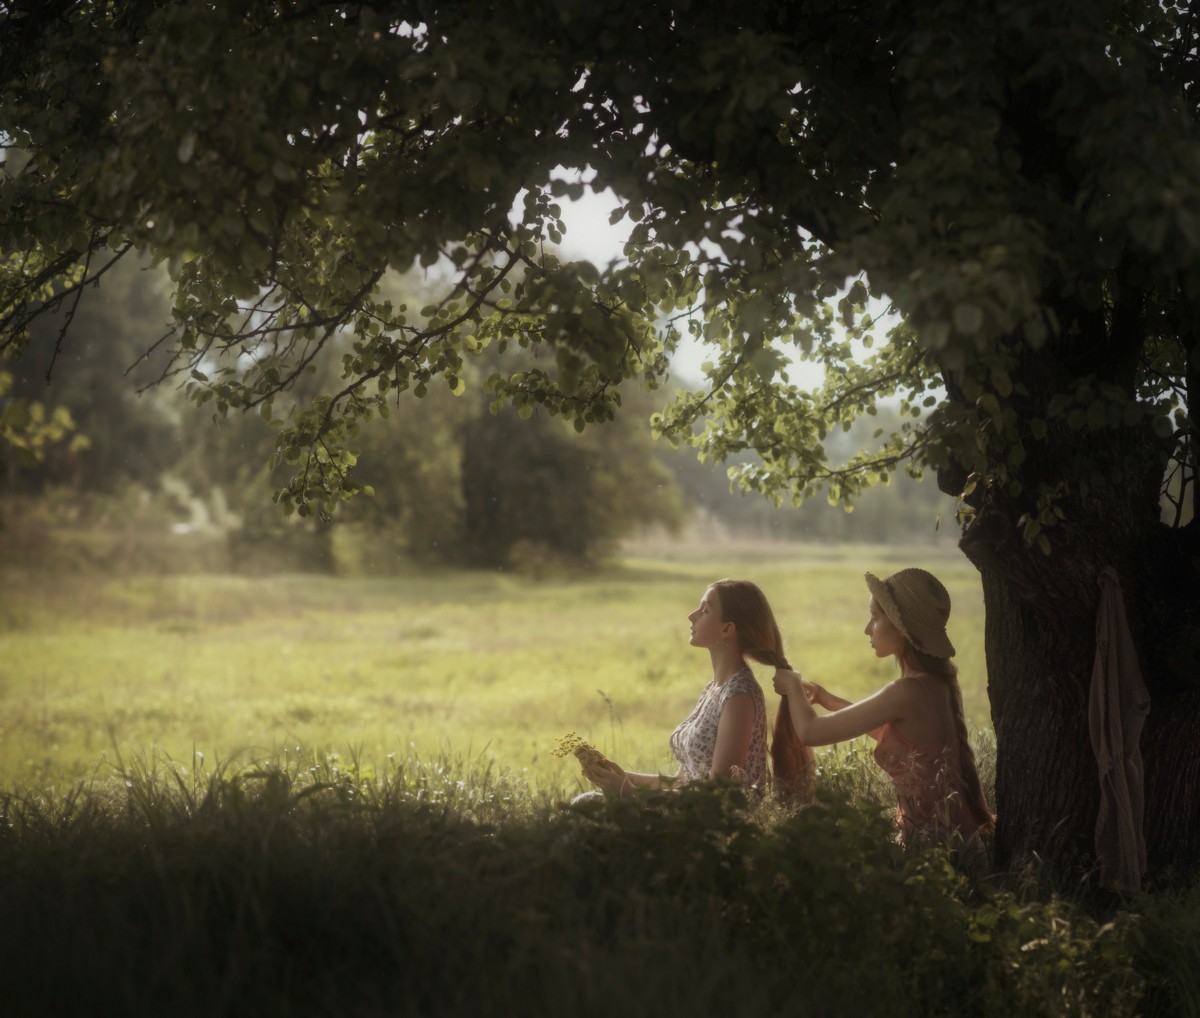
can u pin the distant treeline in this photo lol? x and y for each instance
(452, 482)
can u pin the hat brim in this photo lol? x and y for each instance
(937, 644)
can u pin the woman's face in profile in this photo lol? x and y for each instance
(885, 638)
(706, 621)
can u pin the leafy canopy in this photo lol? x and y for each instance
(1018, 181)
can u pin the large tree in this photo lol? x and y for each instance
(1018, 183)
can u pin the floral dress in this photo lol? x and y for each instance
(695, 740)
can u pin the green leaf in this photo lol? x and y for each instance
(968, 318)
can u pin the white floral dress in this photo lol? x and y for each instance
(695, 740)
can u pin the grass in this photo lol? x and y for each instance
(335, 796)
(305, 886)
(482, 664)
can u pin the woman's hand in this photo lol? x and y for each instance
(789, 683)
(609, 777)
(799, 695)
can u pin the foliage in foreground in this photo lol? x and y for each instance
(435, 889)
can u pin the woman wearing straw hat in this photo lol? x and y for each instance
(917, 719)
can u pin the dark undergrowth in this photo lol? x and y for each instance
(305, 888)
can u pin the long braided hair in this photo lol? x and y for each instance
(759, 639)
(945, 670)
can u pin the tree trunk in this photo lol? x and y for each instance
(1040, 647)
(1046, 787)
(1171, 750)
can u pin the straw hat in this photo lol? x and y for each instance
(918, 605)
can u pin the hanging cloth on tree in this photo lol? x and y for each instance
(1117, 707)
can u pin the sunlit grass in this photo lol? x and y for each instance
(337, 795)
(483, 664)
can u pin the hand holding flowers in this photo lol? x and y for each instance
(597, 768)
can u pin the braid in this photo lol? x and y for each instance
(759, 639)
(768, 657)
(970, 772)
(793, 761)
(945, 670)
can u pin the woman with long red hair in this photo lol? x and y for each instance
(726, 733)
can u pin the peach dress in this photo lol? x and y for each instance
(931, 801)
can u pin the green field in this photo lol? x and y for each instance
(466, 665)
(377, 824)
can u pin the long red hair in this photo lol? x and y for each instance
(759, 638)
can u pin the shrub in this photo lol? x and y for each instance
(316, 885)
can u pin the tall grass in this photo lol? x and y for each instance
(305, 885)
(319, 795)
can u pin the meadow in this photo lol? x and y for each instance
(335, 796)
(473, 665)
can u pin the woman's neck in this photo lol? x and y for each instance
(727, 661)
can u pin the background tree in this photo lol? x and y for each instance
(28, 432)
(903, 510)
(129, 437)
(537, 484)
(1017, 181)
(153, 453)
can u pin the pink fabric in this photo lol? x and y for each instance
(1117, 707)
(930, 802)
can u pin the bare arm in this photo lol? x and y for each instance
(891, 703)
(735, 729)
(616, 782)
(822, 697)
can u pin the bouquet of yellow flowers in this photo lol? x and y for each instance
(583, 751)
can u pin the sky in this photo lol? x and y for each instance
(589, 235)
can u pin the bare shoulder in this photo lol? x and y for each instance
(925, 709)
(904, 692)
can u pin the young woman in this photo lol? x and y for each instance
(726, 733)
(916, 719)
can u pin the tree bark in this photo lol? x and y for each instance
(1038, 665)
(1166, 620)
(1171, 752)
(1040, 647)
